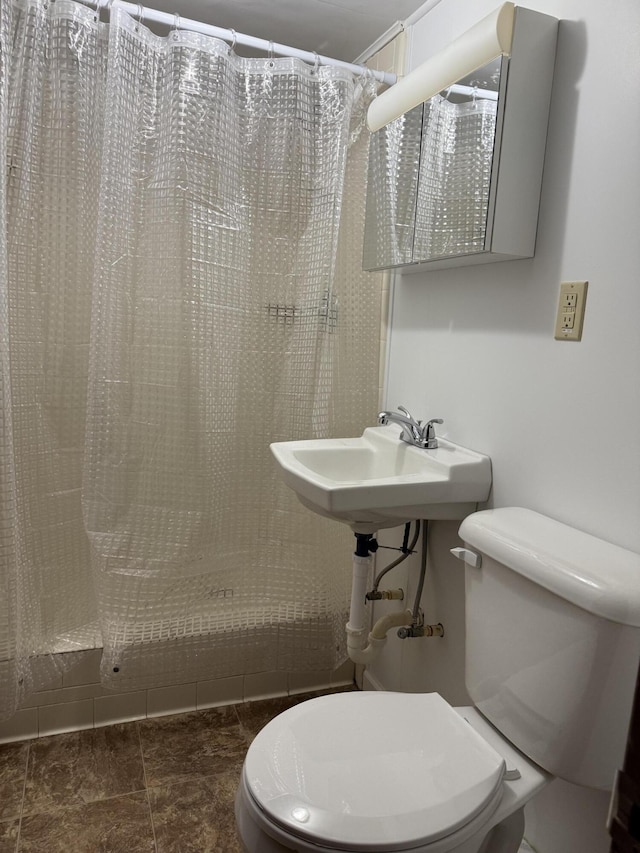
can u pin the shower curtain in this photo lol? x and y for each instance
(179, 287)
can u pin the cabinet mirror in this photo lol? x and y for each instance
(457, 180)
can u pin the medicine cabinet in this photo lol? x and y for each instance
(456, 181)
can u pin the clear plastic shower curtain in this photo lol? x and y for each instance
(51, 74)
(178, 293)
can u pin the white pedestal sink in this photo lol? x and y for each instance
(378, 481)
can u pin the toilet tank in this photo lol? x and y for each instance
(552, 640)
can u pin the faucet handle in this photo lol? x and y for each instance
(429, 433)
(408, 414)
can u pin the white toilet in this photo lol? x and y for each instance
(552, 651)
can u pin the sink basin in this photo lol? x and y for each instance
(378, 481)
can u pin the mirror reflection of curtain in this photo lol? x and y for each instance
(174, 296)
(455, 174)
(392, 186)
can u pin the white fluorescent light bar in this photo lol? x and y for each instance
(489, 38)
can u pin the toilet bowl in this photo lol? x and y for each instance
(330, 774)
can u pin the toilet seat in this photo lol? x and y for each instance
(331, 772)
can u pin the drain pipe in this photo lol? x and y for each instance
(360, 647)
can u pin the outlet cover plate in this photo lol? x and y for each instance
(570, 316)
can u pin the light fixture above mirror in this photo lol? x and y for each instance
(488, 39)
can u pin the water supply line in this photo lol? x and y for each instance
(407, 549)
(417, 627)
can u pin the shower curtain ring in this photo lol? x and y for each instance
(317, 62)
(141, 14)
(366, 76)
(176, 23)
(272, 52)
(232, 46)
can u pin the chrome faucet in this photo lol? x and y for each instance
(413, 431)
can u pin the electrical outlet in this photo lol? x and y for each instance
(570, 317)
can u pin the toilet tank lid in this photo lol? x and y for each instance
(597, 576)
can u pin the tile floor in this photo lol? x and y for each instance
(161, 785)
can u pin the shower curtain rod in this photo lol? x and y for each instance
(176, 20)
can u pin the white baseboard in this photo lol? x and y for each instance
(370, 682)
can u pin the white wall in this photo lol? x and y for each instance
(560, 420)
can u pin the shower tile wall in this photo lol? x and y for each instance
(78, 701)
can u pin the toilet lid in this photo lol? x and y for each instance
(372, 770)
